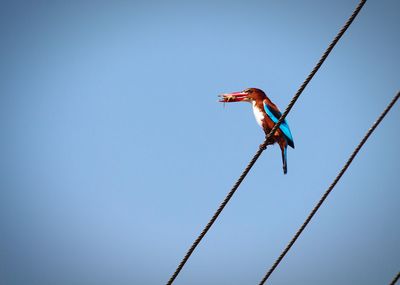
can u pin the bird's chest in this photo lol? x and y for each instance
(259, 115)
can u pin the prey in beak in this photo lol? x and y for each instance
(266, 114)
(234, 97)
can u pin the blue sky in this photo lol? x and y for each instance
(115, 152)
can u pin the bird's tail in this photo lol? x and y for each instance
(284, 159)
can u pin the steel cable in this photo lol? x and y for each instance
(263, 146)
(317, 66)
(395, 279)
(330, 188)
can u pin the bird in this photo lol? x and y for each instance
(267, 115)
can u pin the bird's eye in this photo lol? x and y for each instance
(248, 91)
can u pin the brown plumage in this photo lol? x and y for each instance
(267, 114)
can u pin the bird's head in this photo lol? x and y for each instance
(247, 95)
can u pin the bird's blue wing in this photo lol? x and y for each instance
(274, 115)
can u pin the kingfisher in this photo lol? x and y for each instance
(267, 115)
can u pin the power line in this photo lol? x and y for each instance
(316, 68)
(263, 146)
(395, 279)
(330, 188)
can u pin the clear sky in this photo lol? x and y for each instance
(115, 152)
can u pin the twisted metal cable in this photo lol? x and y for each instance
(395, 279)
(330, 188)
(264, 145)
(316, 68)
(215, 216)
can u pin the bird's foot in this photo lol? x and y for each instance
(263, 146)
(266, 143)
(269, 141)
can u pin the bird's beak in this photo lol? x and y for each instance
(233, 97)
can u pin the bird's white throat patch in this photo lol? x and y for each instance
(258, 114)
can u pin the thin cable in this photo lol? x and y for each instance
(330, 188)
(395, 279)
(215, 216)
(263, 146)
(316, 68)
